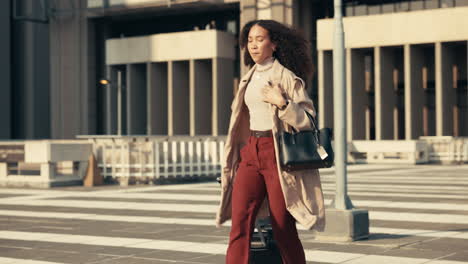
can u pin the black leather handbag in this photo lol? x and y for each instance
(310, 149)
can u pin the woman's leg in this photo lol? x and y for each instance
(247, 197)
(284, 225)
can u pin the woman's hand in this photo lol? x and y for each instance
(274, 94)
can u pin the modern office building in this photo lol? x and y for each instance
(172, 65)
(406, 70)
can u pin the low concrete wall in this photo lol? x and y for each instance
(44, 163)
(388, 151)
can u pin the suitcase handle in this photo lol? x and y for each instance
(260, 233)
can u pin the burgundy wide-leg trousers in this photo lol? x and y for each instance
(256, 177)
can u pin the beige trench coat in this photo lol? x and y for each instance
(302, 190)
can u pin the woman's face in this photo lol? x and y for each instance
(259, 44)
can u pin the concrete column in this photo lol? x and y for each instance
(281, 10)
(202, 97)
(264, 9)
(223, 75)
(248, 12)
(179, 109)
(192, 96)
(356, 95)
(108, 102)
(136, 99)
(5, 71)
(414, 93)
(89, 75)
(384, 93)
(445, 92)
(30, 71)
(72, 72)
(157, 100)
(325, 86)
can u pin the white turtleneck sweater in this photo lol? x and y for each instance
(260, 117)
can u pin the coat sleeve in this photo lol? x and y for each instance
(299, 102)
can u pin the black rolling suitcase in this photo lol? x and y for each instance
(263, 249)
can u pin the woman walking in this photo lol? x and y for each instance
(271, 98)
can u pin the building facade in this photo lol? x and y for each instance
(406, 70)
(173, 65)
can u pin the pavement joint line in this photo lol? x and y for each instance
(212, 197)
(210, 222)
(211, 186)
(358, 257)
(208, 208)
(6, 260)
(441, 257)
(178, 246)
(360, 168)
(114, 257)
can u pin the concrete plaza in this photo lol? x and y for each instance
(418, 214)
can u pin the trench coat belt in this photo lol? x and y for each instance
(257, 133)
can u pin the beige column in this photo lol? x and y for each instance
(445, 92)
(192, 97)
(325, 88)
(414, 93)
(356, 95)
(248, 12)
(384, 93)
(281, 10)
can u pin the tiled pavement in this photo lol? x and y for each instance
(418, 214)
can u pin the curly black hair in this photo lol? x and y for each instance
(292, 49)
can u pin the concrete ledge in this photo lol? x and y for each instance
(44, 151)
(31, 182)
(46, 163)
(416, 27)
(388, 151)
(189, 45)
(345, 225)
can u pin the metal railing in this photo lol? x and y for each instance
(129, 159)
(447, 149)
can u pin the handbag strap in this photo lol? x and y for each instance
(314, 129)
(312, 120)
